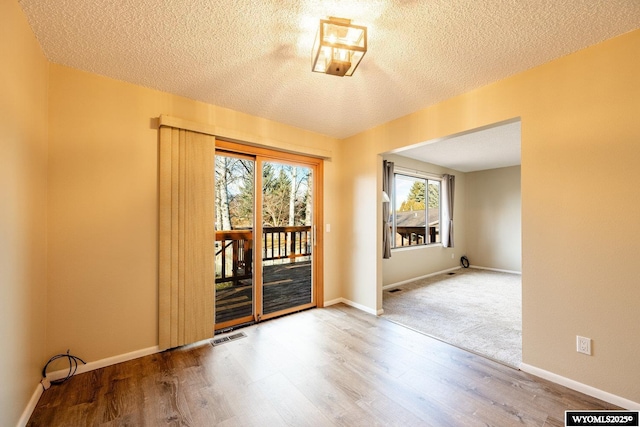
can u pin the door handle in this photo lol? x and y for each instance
(314, 235)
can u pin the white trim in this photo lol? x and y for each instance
(354, 305)
(333, 302)
(91, 366)
(415, 247)
(31, 406)
(582, 388)
(402, 170)
(404, 282)
(496, 269)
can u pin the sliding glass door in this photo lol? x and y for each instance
(267, 260)
(287, 236)
(234, 202)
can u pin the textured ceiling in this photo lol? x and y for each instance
(488, 148)
(254, 56)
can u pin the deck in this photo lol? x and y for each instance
(286, 260)
(286, 285)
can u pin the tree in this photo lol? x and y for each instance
(434, 194)
(300, 197)
(223, 216)
(292, 196)
(275, 196)
(285, 194)
(234, 193)
(415, 199)
(416, 192)
(308, 206)
(242, 205)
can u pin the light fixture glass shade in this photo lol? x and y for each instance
(339, 47)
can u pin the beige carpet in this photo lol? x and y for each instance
(478, 310)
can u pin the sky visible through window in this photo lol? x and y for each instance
(403, 185)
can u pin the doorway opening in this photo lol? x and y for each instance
(478, 309)
(267, 256)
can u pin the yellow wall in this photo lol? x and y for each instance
(103, 207)
(23, 198)
(580, 205)
(493, 219)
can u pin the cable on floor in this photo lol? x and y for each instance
(464, 261)
(73, 367)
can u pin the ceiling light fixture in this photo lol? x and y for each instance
(339, 47)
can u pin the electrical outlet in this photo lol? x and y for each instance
(453, 256)
(583, 345)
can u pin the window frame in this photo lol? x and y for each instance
(426, 177)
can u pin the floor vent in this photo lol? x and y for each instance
(395, 290)
(222, 340)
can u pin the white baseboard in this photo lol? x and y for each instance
(496, 269)
(354, 305)
(404, 282)
(91, 366)
(333, 302)
(582, 388)
(31, 406)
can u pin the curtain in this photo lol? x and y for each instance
(186, 237)
(387, 228)
(448, 191)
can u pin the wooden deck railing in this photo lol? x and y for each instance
(286, 242)
(234, 260)
(234, 250)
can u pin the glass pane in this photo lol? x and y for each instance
(410, 210)
(234, 238)
(433, 212)
(287, 207)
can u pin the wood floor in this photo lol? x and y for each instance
(321, 367)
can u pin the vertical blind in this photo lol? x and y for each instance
(186, 237)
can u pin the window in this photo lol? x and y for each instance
(416, 210)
